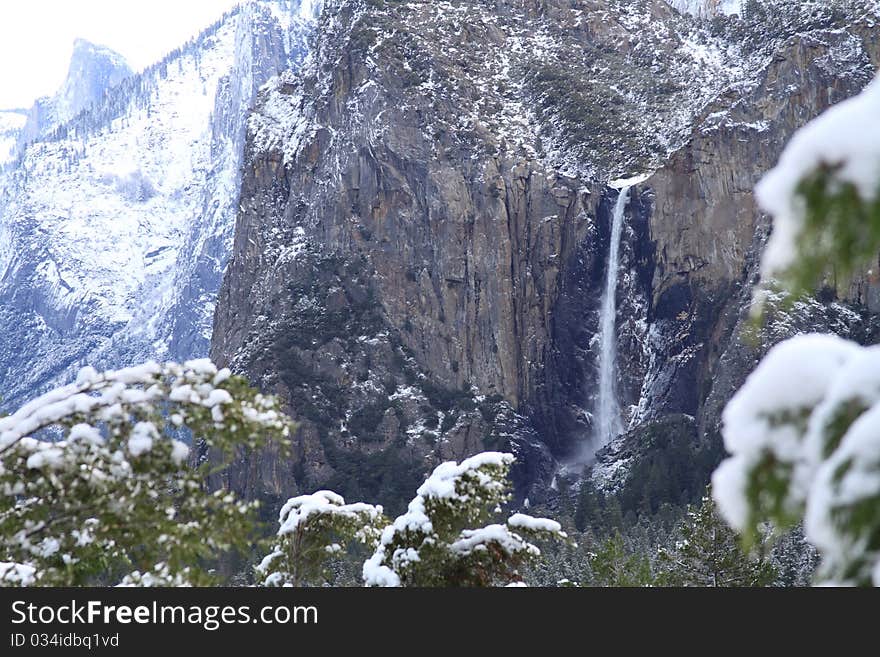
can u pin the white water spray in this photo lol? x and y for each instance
(608, 421)
(310, 10)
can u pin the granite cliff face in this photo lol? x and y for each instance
(424, 228)
(701, 262)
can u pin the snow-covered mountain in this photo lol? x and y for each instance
(115, 226)
(94, 70)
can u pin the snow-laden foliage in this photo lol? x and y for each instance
(443, 538)
(823, 194)
(95, 481)
(160, 575)
(804, 442)
(313, 530)
(16, 574)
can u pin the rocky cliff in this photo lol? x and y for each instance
(702, 341)
(425, 217)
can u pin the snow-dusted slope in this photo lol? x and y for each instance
(114, 234)
(11, 123)
(707, 8)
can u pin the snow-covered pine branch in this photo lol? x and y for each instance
(95, 481)
(313, 529)
(809, 450)
(443, 538)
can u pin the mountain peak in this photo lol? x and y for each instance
(85, 48)
(93, 70)
(84, 44)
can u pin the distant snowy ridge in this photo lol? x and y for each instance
(115, 227)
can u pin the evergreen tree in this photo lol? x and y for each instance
(611, 565)
(561, 564)
(443, 538)
(708, 553)
(794, 558)
(587, 508)
(802, 431)
(566, 511)
(750, 10)
(96, 486)
(314, 530)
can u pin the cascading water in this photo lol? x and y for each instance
(608, 421)
(310, 9)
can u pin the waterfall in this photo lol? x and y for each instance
(608, 422)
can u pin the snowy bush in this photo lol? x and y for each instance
(94, 483)
(16, 574)
(443, 538)
(160, 575)
(313, 530)
(804, 434)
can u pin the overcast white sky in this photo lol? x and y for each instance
(36, 36)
